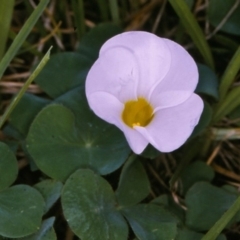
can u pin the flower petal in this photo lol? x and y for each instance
(136, 140)
(109, 108)
(181, 79)
(169, 99)
(115, 72)
(151, 52)
(171, 127)
(106, 106)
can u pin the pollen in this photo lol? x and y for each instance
(137, 113)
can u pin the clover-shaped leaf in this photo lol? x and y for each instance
(90, 208)
(8, 166)
(208, 81)
(59, 146)
(186, 234)
(63, 72)
(92, 41)
(50, 190)
(21, 210)
(46, 232)
(134, 185)
(195, 172)
(30, 105)
(206, 204)
(151, 222)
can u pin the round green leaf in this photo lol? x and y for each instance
(59, 147)
(21, 210)
(50, 190)
(92, 41)
(8, 166)
(30, 105)
(208, 81)
(150, 152)
(46, 232)
(185, 234)
(151, 222)
(63, 72)
(206, 204)
(89, 207)
(218, 9)
(168, 203)
(134, 185)
(195, 172)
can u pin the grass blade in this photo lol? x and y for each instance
(229, 74)
(103, 6)
(193, 29)
(24, 88)
(114, 11)
(78, 9)
(6, 11)
(22, 35)
(231, 101)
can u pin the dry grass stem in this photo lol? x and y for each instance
(226, 172)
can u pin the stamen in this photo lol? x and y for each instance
(137, 113)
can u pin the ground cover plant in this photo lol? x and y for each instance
(153, 155)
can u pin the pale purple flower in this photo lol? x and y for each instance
(144, 85)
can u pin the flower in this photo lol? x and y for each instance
(144, 85)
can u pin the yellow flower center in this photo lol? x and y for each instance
(137, 113)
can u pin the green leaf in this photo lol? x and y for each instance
(8, 166)
(26, 110)
(206, 204)
(21, 210)
(134, 185)
(223, 221)
(151, 222)
(193, 29)
(217, 11)
(190, 150)
(94, 39)
(61, 147)
(150, 152)
(204, 121)
(186, 234)
(50, 190)
(208, 81)
(89, 207)
(195, 172)
(46, 232)
(169, 203)
(63, 72)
